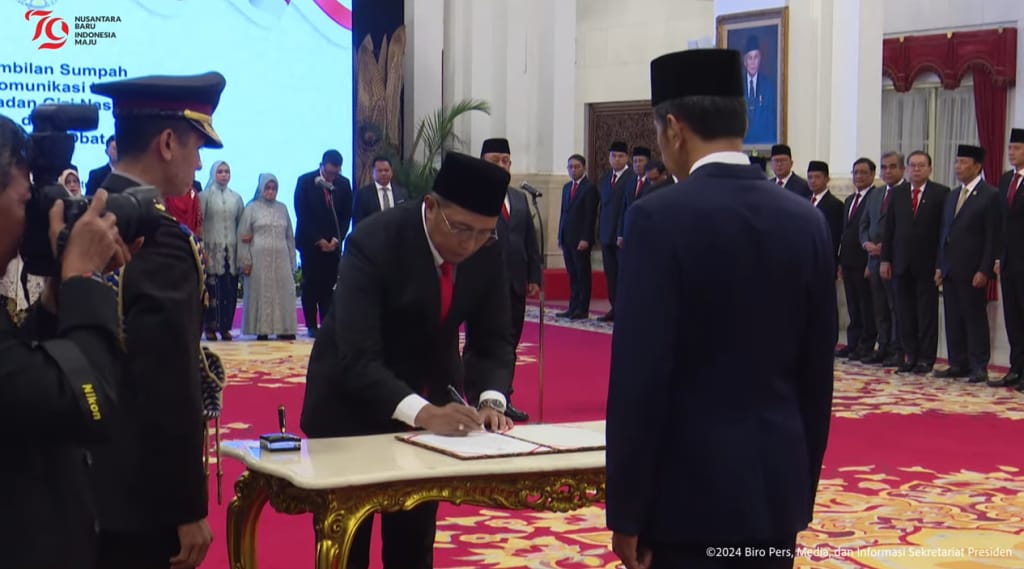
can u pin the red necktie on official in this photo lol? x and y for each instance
(572, 193)
(915, 200)
(447, 286)
(504, 212)
(853, 208)
(1012, 191)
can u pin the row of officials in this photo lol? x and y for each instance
(898, 245)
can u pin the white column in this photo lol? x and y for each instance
(424, 26)
(855, 126)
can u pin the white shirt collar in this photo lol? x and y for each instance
(380, 187)
(786, 179)
(819, 197)
(729, 157)
(433, 250)
(862, 192)
(973, 183)
(619, 173)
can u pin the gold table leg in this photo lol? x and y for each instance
(338, 513)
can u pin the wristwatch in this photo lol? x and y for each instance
(495, 404)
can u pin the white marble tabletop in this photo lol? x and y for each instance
(358, 461)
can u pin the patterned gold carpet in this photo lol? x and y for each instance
(920, 472)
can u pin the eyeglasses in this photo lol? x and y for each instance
(467, 234)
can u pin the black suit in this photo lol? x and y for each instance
(160, 405)
(575, 224)
(96, 178)
(49, 518)
(1011, 268)
(910, 244)
(612, 214)
(832, 208)
(384, 343)
(861, 332)
(729, 470)
(518, 240)
(315, 221)
(649, 188)
(365, 201)
(970, 244)
(797, 185)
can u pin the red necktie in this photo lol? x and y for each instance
(615, 178)
(575, 186)
(812, 200)
(447, 284)
(1013, 188)
(914, 200)
(885, 200)
(853, 208)
(327, 197)
(639, 185)
(779, 182)
(504, 212)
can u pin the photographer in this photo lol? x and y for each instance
(56, 378)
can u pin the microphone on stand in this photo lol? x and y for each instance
(531, 190)
(320, 181)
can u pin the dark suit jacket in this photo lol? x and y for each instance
(762, 111)
(872, 224)
(851, 251)
(96, 178)
(629, 195)
(650, 188)
(576, 222)
(971, 240)
(832, 208)
(49, 516)
(160, 403)
(365, 202)
(911, 242)
(313, 218)
(743, 468)
(384, 341)
(1012, 255)
(613, 201)
(518, 240)
(797, 185)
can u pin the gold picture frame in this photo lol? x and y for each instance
(767, 33)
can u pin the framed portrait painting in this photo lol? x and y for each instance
(761, 39)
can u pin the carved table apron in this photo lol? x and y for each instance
(387, 475)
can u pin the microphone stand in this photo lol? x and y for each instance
(540, 336)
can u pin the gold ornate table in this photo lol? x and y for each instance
(342, 481)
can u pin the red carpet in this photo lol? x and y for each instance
(920, 472)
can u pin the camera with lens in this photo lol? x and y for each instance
(51, 148)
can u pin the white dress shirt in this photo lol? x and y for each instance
(381, 190)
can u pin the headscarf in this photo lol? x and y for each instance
(212, 183)
(64, 176)
(265, 179)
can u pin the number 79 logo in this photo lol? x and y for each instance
(54, 29)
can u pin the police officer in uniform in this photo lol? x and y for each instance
(57, 379)
(692, 465)
(150, 483)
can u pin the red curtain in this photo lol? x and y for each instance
(990, 55)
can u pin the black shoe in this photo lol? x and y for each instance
(1020, 387)
(262, 338)
(517, 415)
(922, 369)
(311, 333)
(211, 336)
(226, 336)
(874, 359)
(843, 352)
(1008, 380)
(894, 360)
(564, 314)
(979, 376)
(952, 372)
(610, 317)
(906, 367)
(579, 316)
(286, 336)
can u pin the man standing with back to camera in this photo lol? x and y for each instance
(702, 453)
(151, 491)
(323, 210)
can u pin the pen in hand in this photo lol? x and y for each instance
(280, 419)
(457, 397)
